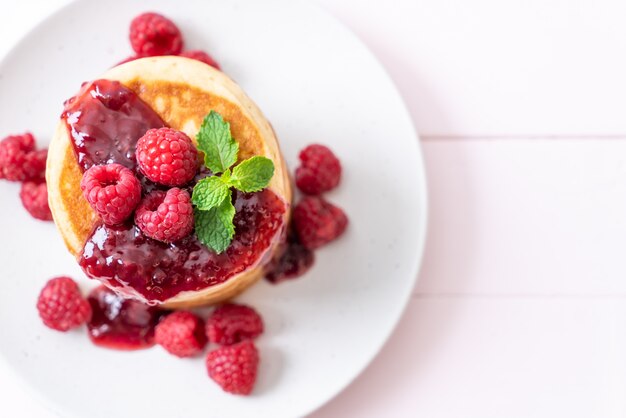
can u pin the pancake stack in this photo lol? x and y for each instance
(182, 92)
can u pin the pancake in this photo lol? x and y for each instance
(182, 92)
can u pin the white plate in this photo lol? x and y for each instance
(316, 83)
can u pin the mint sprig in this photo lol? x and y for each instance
(212, 196)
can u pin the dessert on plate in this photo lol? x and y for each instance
(168, 186)
(101, 125)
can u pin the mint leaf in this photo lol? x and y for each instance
(214, 227)
(209, 193)
(253, 174)
(215, 141)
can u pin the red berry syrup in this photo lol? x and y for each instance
(293, 262)
(124, 257)
(122, 324)
(106, 119)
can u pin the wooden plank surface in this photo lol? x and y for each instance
(501, 68)
(526, 217)
(486, 357)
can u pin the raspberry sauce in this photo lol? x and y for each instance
(293, 262)
(125, 258)
(119, 323)
(106, 120)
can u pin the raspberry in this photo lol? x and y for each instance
(181, 334)
(24, 142)
(165, 217)
(34, 197)
(19, 161)
(234, 367)
(112, 190)
(167, 156)
(320, 170)
(35, 164)
(153, 34)
(318, 222)
(61, 306)
(232, 323)
(202, 57)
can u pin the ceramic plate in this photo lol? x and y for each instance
(315, 82)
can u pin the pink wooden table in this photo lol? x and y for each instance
(521, 306)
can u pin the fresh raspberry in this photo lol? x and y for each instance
(34, 165)
(18, 159)
(112, 190)
(202, 57)
(232, 323)
(34, 196)
(153, 34)
(24, 142)
(318, 222)
(234, 367)
(165, 216)
(181, 334)
(61, 306)
(320, 170)
(167, 156)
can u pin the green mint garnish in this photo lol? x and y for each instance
(212, 196)
(214, 227)
(253, 174)
(210, 192)
(215, 141)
